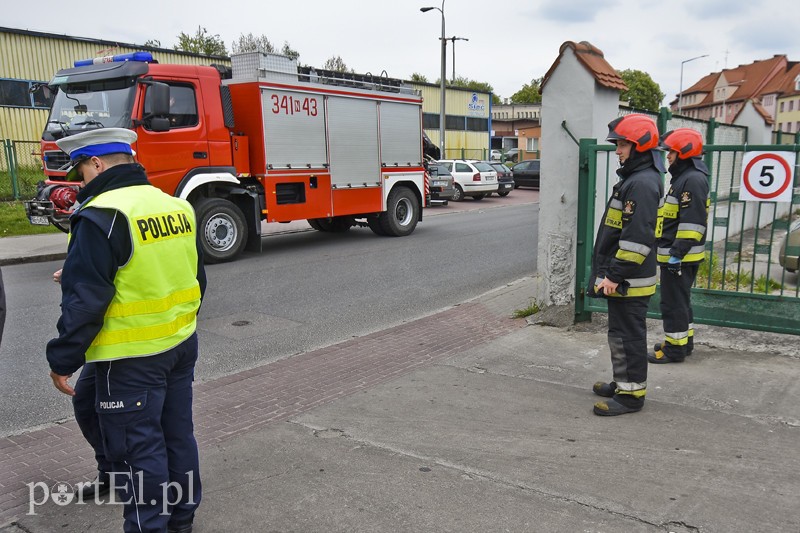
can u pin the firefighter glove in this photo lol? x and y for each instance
(674, 266)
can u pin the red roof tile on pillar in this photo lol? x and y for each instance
(592, 59)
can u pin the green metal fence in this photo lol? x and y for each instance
(20, 169)
(741, 283)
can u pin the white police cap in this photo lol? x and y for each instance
(102, 141)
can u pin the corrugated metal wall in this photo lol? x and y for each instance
(36, 56)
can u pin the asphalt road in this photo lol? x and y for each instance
(306, 290)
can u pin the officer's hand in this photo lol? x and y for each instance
(674, 266)
(57, 276)
(61, 383)
(606, 287)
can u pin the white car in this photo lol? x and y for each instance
(472, 178)
(496, 155)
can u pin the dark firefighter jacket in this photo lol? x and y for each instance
(624, 249)
(99, 244)
(685, 213)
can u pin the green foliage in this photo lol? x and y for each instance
(289, 51)
(336, 63)
(474, 85)
(643, 93)
(201, 43)
(13, 221)
(419, 78)
(529, 94)
(251, 43)
(532, 309)
(155, 43)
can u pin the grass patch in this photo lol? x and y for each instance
(532, 309)
(13, 221)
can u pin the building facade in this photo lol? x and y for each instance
(518, 126)
(30, 59)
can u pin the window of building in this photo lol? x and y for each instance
(25, 93)
(782, 106)
(430, 121)
(797, 83)
(477, 124)
(532, 144)
(454, 123)
(797, 126)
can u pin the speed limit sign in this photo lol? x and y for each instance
(767, 176)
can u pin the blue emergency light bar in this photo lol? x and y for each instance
(146, 57)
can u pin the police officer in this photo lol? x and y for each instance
(681, 247)
(132, 284)
(624, 263)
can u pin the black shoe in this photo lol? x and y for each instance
(186, 527)
(99, 487)
(606, 390)
(612, 407)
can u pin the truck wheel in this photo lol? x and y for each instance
(222, 228)
(458, 193)
(314, 223)
(402, 213)
(374, 224)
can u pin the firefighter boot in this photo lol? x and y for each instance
(689, 347)
(619, 404)
(606, 390)
(659, 357)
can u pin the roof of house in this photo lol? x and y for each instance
(784, 84)
(750, 81)
(595, 63)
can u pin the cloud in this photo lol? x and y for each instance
(574, 11)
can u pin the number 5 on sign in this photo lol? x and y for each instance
(767, 176)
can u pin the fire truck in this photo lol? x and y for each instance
(264, 140)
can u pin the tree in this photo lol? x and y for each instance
(336, 63)
(419, 78)
(201, 43)
(473, 85)
(643, 93)
(251, 43)
(529, 94)
(154, 43)
(289, 51)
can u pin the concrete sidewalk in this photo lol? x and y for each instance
(470, 420)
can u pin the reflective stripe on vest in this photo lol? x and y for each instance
(157, 292)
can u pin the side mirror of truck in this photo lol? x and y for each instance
(159, 99)
(159, 124)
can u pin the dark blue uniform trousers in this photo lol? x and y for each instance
(144, 406)
(83, 403)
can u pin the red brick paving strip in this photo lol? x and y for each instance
(248, 400)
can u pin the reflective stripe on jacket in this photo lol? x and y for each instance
(685, 213)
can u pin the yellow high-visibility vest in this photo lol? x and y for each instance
(157, 292)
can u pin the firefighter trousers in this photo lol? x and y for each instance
(676, 312)
(627, 340)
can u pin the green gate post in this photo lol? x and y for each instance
(586, 192)
(664, 114)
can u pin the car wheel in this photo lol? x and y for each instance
(458, 194)
(479, 197)
(504, 193)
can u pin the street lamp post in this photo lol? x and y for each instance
(441, 79)
(453, 39)
(680, 87)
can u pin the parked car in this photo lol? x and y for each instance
(441, 184)
(505, 180)
(496, 155)
(472, 178)
(789, 256)
(526, 173)
(512, 155)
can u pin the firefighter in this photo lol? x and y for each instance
(624, 262)
(131, 285)
(681, 247)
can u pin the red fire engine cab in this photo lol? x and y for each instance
(261, 141)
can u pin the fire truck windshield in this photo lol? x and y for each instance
(96, 104)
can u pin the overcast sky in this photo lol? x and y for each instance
(510, 42)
